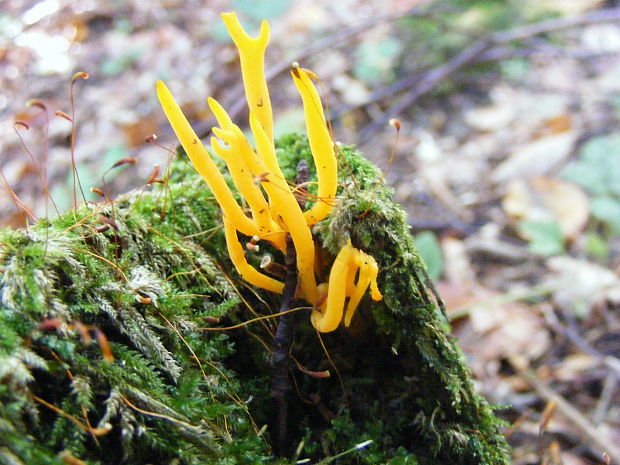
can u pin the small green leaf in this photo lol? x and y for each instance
(117, 65)
(607, 210)
(430, 250)
(261, 9)
(515, 69)
(375, 59)
(596, 246)
(598, 168)
(545, 237)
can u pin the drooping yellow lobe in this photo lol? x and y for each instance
(247, 272)
(342, 284)
(329, 319)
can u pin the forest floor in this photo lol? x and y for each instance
(507, 160)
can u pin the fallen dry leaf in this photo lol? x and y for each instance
(547, 199)
(573, 366)
(556, 125)
(510, 330)
(503, 327)
(491, 118)
(579, 285)
(568, 202)
(536, 158)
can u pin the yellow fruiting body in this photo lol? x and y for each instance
(329, 319)
(342, 285)
(321, 146)
(280, 213)
(203, 163)
(291, 216)
(368, 271)
(252, 57)
(247, 272)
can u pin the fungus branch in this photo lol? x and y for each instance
(256, 172)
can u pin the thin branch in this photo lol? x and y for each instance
(564, 407)
(283, 340)
(421, 85)
(609, 361)
(547, 50)
(280, 383)
(605, 402)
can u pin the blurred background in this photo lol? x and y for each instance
(507, 160)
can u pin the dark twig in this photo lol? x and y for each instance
(280, 383)
(586, 429)
(609, 361)
(546, 50)
(422, 84)
(605, 402)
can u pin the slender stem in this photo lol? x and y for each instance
(280, 384)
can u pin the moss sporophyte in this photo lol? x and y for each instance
(256, 171)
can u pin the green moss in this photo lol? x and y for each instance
(178, 393)
(402, 341)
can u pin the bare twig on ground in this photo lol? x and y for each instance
(547, 50)
(605, 401)
(583, 425)
(609, 361)
(419, 85)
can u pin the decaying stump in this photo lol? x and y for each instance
(114, 345)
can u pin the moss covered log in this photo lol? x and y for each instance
(110, 350)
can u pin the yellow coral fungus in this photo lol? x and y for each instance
(342, 285)
(291, 216)
(202, 162)
(247, 272)
(257, 172)
(252, 57)
(320, 144)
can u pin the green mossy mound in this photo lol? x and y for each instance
(178, 393)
